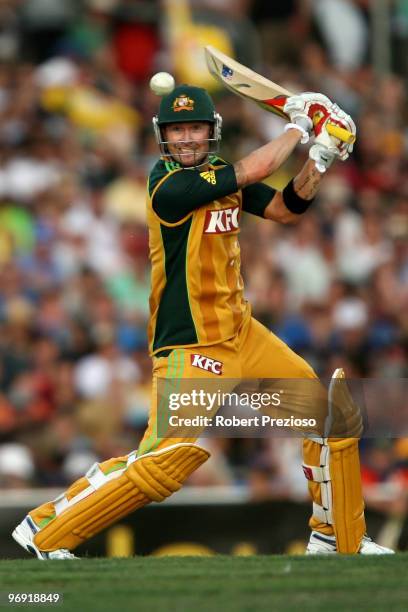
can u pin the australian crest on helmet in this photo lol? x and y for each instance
(183, 103)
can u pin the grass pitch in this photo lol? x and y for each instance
(214, 584)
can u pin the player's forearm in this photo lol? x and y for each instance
(306, 183)
(267, 159)
(288, 206)
(278, 211)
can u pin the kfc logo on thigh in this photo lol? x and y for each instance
(221, 221)
(206, 363)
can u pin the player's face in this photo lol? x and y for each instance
(187, 142)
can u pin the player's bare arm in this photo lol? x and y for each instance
(305, 185)
(264, 161)
(307, 182)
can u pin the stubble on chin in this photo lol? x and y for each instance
(187, 160)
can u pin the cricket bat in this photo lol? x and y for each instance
(248, 84)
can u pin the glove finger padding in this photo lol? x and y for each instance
(324, 151)
(317, 107)
(304, 108)
(304, 101)
(343, 120)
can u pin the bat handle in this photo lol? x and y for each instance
(341, 133)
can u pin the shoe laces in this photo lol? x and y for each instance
(66, 554)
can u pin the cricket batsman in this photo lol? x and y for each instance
(201, 325)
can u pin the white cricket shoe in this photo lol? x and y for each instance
(24, 535)
(369, 547)
(320, 544)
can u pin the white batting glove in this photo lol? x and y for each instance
(304, 108)
(327, 148)
(342, 119)
(324, 151)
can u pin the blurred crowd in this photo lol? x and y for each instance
(76, 146)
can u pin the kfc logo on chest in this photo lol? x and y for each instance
(206, 363)
(221, 221)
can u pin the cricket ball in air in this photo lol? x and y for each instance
(162, 83)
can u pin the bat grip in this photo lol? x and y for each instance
(340, 133)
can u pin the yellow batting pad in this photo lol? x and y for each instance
(348, 505)
(108, 498)
(332, 467)
(333, 471)
(345, 418)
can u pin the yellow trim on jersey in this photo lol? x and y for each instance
(189, 259)
(194, 266)
(158, 274)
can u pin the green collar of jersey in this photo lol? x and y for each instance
(172, 165)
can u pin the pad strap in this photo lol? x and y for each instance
(321, 474)
(317, 474)
(95, 476)
(60, 504)
(96, 479)
(324, 515)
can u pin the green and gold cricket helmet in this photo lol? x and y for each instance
(187, 103)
